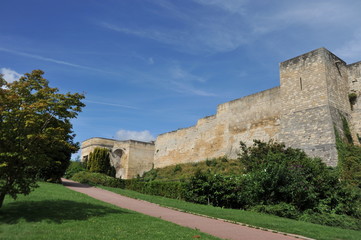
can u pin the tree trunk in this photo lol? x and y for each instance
(2, 197)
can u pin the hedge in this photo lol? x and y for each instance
(167, 189)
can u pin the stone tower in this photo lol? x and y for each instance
(315, 98)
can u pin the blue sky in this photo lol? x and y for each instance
(152, 66)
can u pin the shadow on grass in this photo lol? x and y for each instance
(55, 211)
(68, 183)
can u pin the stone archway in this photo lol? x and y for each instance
(118, 161)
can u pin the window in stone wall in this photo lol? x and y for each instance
(301, 83)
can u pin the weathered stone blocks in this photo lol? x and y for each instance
(303, 112)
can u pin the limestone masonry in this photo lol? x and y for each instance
(303, 112)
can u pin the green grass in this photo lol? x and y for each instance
(55, 212)
(256, 219)
(187, 170)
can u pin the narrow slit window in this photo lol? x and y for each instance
(301, 83)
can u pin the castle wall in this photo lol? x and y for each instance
(89, 145)
(140, 159)
(252, 117)
(119, 158)
(304, 112)
(129, 158)
(354, 72)
(306, 120)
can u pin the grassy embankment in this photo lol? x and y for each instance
(187, 170)
(55, 212)
(252, 218)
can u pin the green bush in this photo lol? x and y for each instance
(53, 170)
(280, 181)
(150, 175)
(332, 220)
(348, 201)
(213, 189)
(211, 162)
(99, 162)
(177, 168)
(173, 189)
(349, 163)
(281, 210)
(73, 168)
(97, 179)
(352, 97)
(276, 174)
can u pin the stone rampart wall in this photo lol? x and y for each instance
(306, 120)
(355, 87)
(311, 102)
(252, 117)
(89, 145)
(140, 159)
(129, 158)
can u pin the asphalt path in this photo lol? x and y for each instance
(215, 227)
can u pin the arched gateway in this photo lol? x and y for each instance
(129, 158)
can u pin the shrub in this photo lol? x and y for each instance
(281, 210)
(174, 189)
(278, 174)
(211, 162)
(261, 154)
(150, 175)
(349, 163)
(73, 168)
(97, 179)
(348, 201)
(333, 220)
(213, 189)
(352, 97)
(99, 162)
(53, 171)
(177, 168)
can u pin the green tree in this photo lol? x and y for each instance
(99, 161)
(35, 131)
(275, 174)
(53, 170)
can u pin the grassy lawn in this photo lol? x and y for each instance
(256, 219)
(55, 212)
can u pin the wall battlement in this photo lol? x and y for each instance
(303, 112)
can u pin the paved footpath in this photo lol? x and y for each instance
(215, 227)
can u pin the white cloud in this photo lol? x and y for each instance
(173, 78)
(315, 14)
(203, 35)
(183, 81)
(110, 104)
(233, 6)
(34, 56)
(216, 26)
(10, 75)
(151, 61)
(180, 74)
(144, 136)
(181, 87)
(167, 36)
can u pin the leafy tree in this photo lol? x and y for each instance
(99, 162)
(276, 174)
(52, 171)
(35, 132)
(213, 189)
(74, 167)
